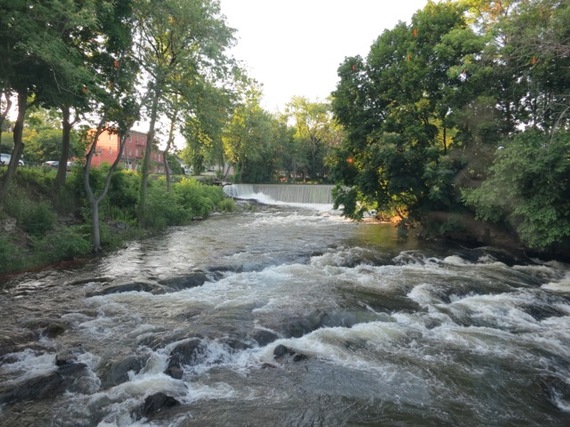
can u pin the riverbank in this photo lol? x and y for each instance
(40, 229)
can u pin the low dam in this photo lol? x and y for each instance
(288, 193)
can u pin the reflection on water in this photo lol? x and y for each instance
(288, 316)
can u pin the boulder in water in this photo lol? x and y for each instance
(282, 352)
(50, 328)
(185, 353)
(127, 287)
(264, 337)
(117, 372)
(188, 281)
(44, 386)
(154, 404)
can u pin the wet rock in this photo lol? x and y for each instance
(155, 404)
(348, 318)
(264, 337)
(188, 281)
(65, 358)
(282, 352)
(127, 287)
(44, 386)
(235, 344)
(296, 327)
(268, 366)
(175, 372)
(90, 280)
(117, 372)
(185, 353)
(48, 327)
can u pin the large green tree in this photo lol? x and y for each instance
(315, 133)
(36, 58)
(397, 108)
(527, 186)
(178, 43)
(249, 141)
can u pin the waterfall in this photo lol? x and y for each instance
(288, 193)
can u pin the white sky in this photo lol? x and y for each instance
(294, 47)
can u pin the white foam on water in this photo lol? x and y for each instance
(267, 200)
(354, 349)
(560, 402)
(561, 285)
(28, 364)
(456, 260)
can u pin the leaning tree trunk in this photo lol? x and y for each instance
(146, 161)
(167, 149)
(95, 201)
(18, 144)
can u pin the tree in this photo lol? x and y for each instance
(529, 189)
(204, 121)
(116, 102)
(249, 141)
(178, 42)
(315, 134)
(393, 107)
(26, 48)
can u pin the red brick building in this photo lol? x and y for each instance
(133, 151)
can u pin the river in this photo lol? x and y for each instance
(287, 315)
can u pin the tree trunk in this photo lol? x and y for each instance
(65, 148)
(444, 139)
(167, 149)
(95, 201)
(96, 227)
(146, 160)
(18, 144)
(94, 205)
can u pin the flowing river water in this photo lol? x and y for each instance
(285, 315)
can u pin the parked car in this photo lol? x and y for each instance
(55, 164)
(5, 159)
(52, 163)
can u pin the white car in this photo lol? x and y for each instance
(5, 159)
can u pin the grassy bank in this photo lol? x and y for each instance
(39, 227)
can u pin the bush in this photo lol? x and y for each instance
(66, 243)
(161, 209)
(226, 205)
(8, 255)
(195, 198)
(38, 219)
(529, 189)
(34, 217)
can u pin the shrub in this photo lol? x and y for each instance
(38, 219)
(226, 205)
(8, 255)
(161, 209)
(528, 189)
(35, 218)
(66, 243)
